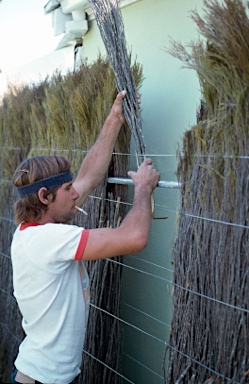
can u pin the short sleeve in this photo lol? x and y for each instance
(82, 244)
(52, 246)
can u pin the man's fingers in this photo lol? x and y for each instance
(123, 93)
(148, 161)
(131, 174)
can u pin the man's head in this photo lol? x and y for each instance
(33, 174)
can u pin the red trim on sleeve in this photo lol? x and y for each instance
(82, 245)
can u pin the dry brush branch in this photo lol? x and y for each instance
(110, 23)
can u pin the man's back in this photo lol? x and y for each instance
(47, 281)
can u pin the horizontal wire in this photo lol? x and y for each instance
(86, 151)
(139, 270)
(10, 332)
(5, 255)
(150, 263)
(194, 155)
(5, 181)
(181, 213)
(127, 323)
(110, 200)
(168, 210)
(147, 154)
(181, 287)
(165, 343)
(133, 154)
(146, 314)
(221, 156)
(177, 285)
(130, 256)
(144, 366)
(102, 310)
(7, 219)
(201, 364)
(167, 281)
(138, 329)
(176, 212)
(9, 257)
(8, 294)
(214, 220)
(107, 366)
(211, 298)
(170, 282)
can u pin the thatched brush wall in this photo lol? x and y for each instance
(209, 341)
(63, 115)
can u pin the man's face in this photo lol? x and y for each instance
(62, 210)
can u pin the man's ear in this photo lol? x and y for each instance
(43, 200)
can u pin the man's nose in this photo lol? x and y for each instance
(75, 194)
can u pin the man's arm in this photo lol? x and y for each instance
(95, 164)
(133, 233)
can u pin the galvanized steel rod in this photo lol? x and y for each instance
(161, 184)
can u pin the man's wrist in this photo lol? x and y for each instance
(143, 189)
(116, 118)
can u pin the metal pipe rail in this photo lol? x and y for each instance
(161, 184)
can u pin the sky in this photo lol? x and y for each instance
(26, 33)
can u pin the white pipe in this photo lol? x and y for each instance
(161, 184)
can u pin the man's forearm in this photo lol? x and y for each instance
(138, 221)
(98, 158)
(95, 164)
(133, 234)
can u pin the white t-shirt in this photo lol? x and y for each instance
(51, 287)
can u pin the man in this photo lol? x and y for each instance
(50, 281)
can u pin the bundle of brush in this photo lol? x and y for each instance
(110, 23)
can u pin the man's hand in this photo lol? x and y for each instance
(146, 177)
(117, 108)
(95, 164)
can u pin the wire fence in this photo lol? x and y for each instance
(149, 275)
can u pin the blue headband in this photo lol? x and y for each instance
(49, 182)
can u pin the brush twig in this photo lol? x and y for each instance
(110, 23)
